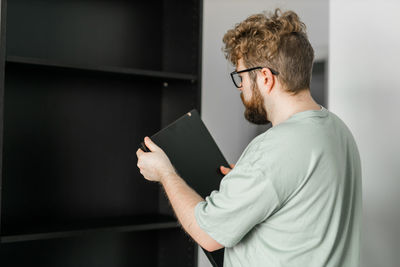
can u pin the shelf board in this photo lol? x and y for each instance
(104, 69)
(138, 223)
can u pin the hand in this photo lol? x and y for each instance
(225, 170)
(154, 165)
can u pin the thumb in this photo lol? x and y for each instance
(150, 144)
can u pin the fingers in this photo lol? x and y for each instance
(224, 170)
(139, 152)
(150, 144)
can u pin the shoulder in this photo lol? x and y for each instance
(292, 140)
(268, 146)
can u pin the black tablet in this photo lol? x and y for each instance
(196, 157)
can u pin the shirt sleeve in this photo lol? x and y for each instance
(246, 197)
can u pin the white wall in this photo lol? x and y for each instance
(222, 109)
(364, 90)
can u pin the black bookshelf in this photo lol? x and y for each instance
(103, 69)
(62, 230)
(81, 84)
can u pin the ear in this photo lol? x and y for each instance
(268, 79)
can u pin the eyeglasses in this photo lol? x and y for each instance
(237, 80)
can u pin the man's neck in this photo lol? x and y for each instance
(288, 105)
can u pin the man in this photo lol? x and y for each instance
(294, 196)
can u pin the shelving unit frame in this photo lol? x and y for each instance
(81, 84)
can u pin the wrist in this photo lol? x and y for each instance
(167, 176)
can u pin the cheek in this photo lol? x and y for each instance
(246, 83)
(246, 88)
(247, 94)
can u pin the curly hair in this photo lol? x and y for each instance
(278, 41)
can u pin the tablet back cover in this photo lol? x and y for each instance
(196, 157)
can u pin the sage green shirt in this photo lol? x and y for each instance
(293, 198)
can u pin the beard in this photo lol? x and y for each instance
(255, 111)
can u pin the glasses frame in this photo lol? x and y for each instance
(274, 72)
